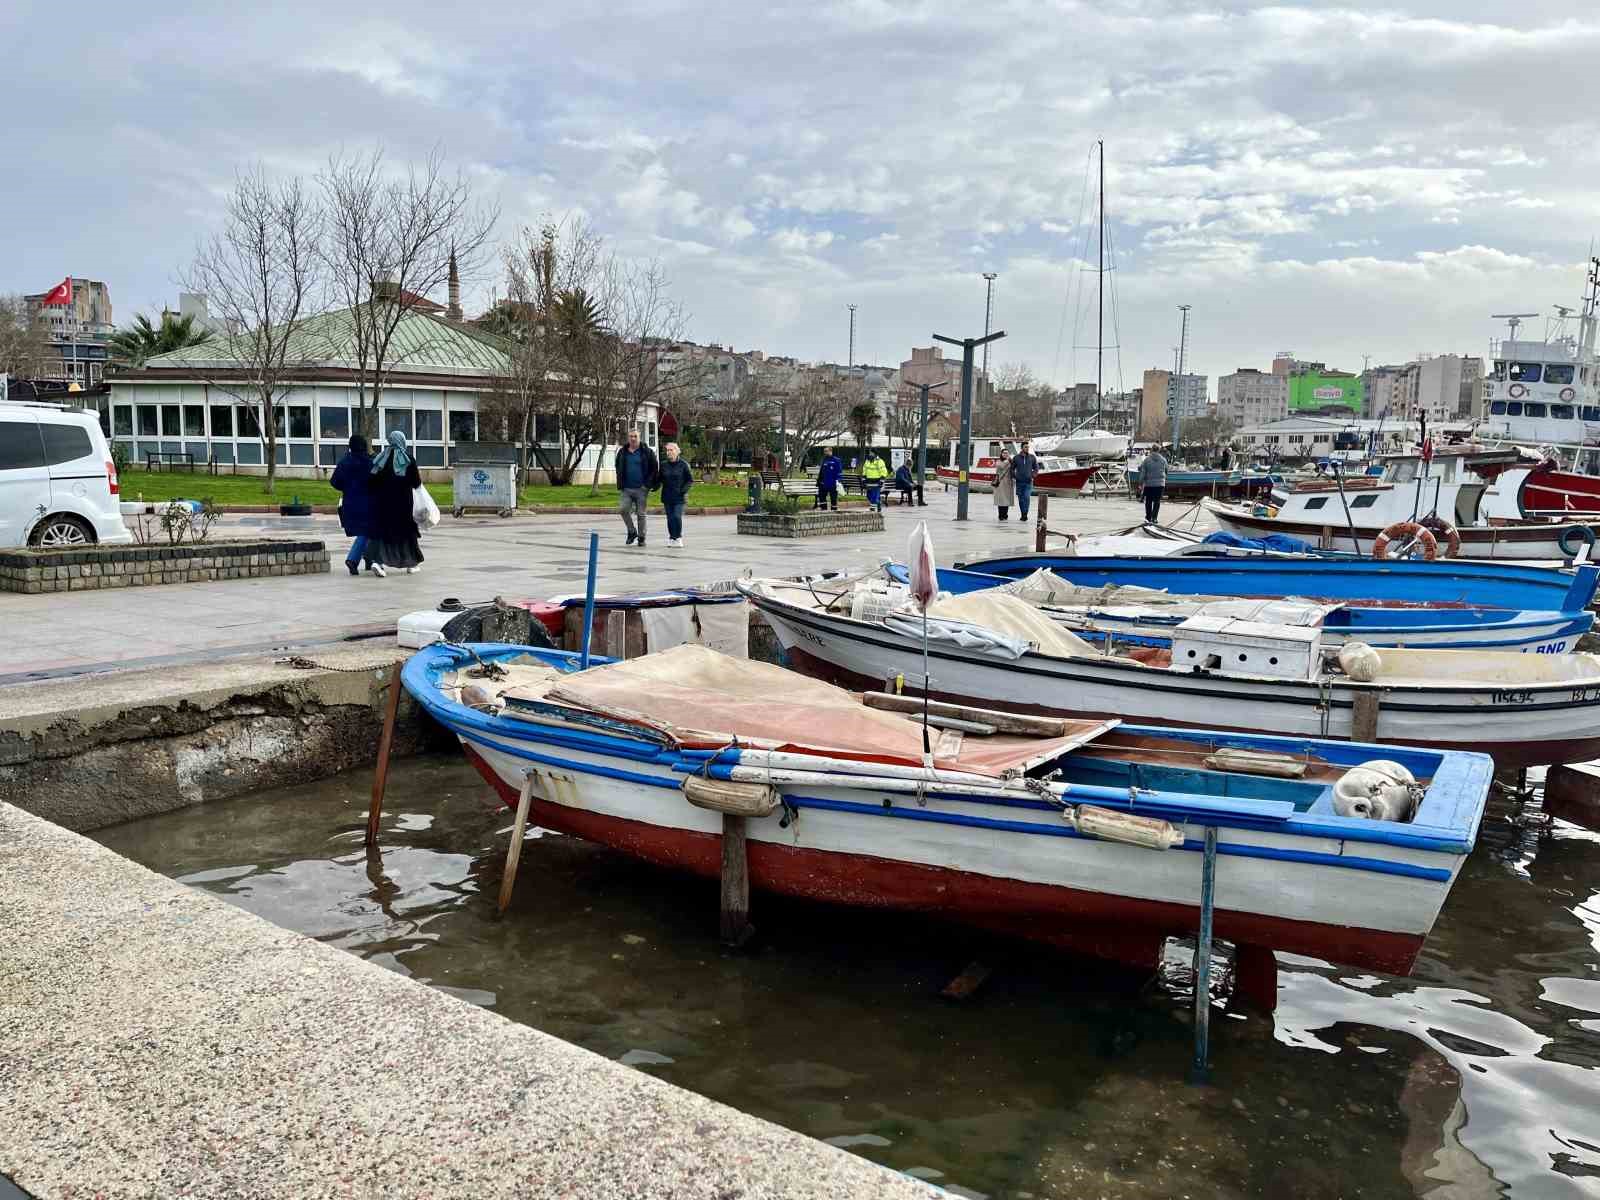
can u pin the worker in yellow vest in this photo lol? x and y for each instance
(873, 472)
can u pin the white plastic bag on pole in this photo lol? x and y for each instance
(923, 570)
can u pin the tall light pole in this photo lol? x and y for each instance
(1183, 348)
(964, 450)
(988, 311)
(852, 355)
(922, 443)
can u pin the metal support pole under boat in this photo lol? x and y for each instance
(588, 597)
(1199, 1071)
(380, 778)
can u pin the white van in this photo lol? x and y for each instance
(58, 485)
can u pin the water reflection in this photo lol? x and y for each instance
(1474, 1077)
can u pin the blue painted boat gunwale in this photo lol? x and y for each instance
(1454, 776)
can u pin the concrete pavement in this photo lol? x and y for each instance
(474, 559)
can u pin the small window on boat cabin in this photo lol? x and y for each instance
(1497, 408)
(1530, 409)
(1514, 409)
(1499, 371)
(1558, 373)
(1404, 470)
(1561, 412)
(1591, 412)
(1522, 372)
(1316, 502)
(1366, 501)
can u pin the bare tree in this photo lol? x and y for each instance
(903, 419)
(646, 320)
(262, 276)
(24, 338)
(815, 413)
(392, 240)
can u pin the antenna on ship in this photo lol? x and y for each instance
(1514, 320)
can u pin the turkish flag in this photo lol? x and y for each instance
(60, 294)
(668, 424)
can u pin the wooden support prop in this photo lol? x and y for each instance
(1364, 717)
(1003, 722)
(969, 981)
(736, 928)
(514, 851)
(1039, 530)
(380, 779)
(1255, 976)
(1572, 793)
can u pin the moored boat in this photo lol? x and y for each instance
(1086, 834)
(986, 647)
(1057, 475)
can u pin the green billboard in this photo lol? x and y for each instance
(1313, 392)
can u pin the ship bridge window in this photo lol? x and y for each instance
(1366, 501)
(1531, 409)
(1514, 409)
(1497, 408)
(1558, 373)
(1316, 502)
(1561, 412)
(1591, 412)
(1522, 372)
(1499, 371)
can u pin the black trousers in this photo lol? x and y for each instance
(1152, 503)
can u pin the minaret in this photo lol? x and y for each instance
(453, 310)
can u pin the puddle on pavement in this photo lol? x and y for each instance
(1474, 1077)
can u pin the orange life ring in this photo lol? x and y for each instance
(1430, 544)
(1440, 528)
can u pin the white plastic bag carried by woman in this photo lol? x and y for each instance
(423, 510)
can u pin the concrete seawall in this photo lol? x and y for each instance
(156, 1041)
(94, 750)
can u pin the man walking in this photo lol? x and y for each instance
(828, 476)
(873, 474)
(675, 481)
(636, 474)
(1023, 468)
(1152, 480)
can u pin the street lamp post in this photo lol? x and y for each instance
(988, 311)
(964, 448)
(922, 443)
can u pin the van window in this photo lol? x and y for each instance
(20, 445)
(1524, 372)
(65, 443)
(1558, 373)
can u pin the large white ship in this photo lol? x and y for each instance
(1548, 392)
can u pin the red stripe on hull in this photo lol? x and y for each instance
(1117, 928)
(1557, 493)
(1505, 754)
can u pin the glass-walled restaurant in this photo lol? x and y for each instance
(313, 424)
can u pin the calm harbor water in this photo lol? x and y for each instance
(1476, 1076)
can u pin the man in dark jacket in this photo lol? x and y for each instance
(636, 474)
(828, 476)
(1023, 468)
(905, 483)
(675, 479)
(355, 501)
(1152, 481)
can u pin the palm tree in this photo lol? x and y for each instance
(142, 340)
(863, 422)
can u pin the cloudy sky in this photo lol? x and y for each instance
(1338, 181)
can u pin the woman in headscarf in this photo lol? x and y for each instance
(394, 530)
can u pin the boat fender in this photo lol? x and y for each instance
(1569, 538)
(1113, 826)
(731, 796)
(1360, 661)
(1440, 528)
(1408, 529)
(1379, 790)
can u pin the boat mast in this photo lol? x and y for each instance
(1100, 338)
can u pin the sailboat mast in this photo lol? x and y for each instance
(1100, 339)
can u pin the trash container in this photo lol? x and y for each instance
(485, 478)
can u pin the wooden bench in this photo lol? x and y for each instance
(153, 459)
(852, 482)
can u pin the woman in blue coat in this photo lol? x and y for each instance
(350, 479)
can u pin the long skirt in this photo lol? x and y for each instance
(396, 552)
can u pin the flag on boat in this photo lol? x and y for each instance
(58, 295)
(924, 572)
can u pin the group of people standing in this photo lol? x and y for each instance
(1013, 480)
(376, 506)
(638, 474)
(874, 474)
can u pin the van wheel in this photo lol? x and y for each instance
(59, 531)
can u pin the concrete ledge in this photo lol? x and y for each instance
(810, 524)
(155, 1041)
(93, 567)
(86, 752)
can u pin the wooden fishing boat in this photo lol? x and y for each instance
(1453, 583)
(990, 648)
(1135, 612)
(1083, 833)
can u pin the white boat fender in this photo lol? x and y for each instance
(731, 796)
(1379, 790)
(1360, 661)
(1114, 826)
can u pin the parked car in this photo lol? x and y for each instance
(58, 485)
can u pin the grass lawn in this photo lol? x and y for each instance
(249, 489)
